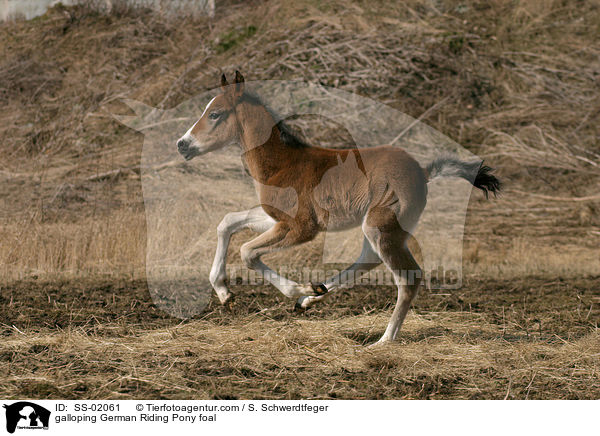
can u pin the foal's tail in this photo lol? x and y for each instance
(476, 173)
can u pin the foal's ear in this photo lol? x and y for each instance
(224, 82)
(239, 84)
(238, 77)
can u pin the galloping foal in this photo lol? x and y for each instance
(290, 181)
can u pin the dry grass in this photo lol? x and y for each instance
(261, 358)
(518, 82)
(519, 79)
(536, 340)
(115, 245)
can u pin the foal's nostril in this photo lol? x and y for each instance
(182, 145)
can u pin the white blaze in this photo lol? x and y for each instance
(188, 135)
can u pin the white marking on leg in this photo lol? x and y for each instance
(251, 253)
(408, 282)
(255, 219)
(367, 260)
(287, 287)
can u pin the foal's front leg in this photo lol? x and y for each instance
(255, 219)
(278, 237)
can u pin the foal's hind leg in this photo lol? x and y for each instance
(390, 242)
(367, 260)
(255, 219)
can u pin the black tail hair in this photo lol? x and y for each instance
(474, 172)
(487, 182)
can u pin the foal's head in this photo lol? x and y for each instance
(218, 125)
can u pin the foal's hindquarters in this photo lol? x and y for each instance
(398, 196)
(385, 190)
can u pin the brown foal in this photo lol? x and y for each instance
(301, 195)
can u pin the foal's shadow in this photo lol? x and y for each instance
(367, 337)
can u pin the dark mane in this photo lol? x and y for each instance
(288, 136)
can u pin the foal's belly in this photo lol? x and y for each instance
(337, 217)
(340, 223)
(343, 202)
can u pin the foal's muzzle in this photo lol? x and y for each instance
(183, 147)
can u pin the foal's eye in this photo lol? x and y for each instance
(214, 115)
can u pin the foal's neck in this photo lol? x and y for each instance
(264, 153)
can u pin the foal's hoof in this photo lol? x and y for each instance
(298, 308)
(229, 302)
(319, 289)
(304, 303)
(381, 342)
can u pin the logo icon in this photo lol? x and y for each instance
(26, 415)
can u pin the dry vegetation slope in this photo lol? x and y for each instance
(522, 81)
